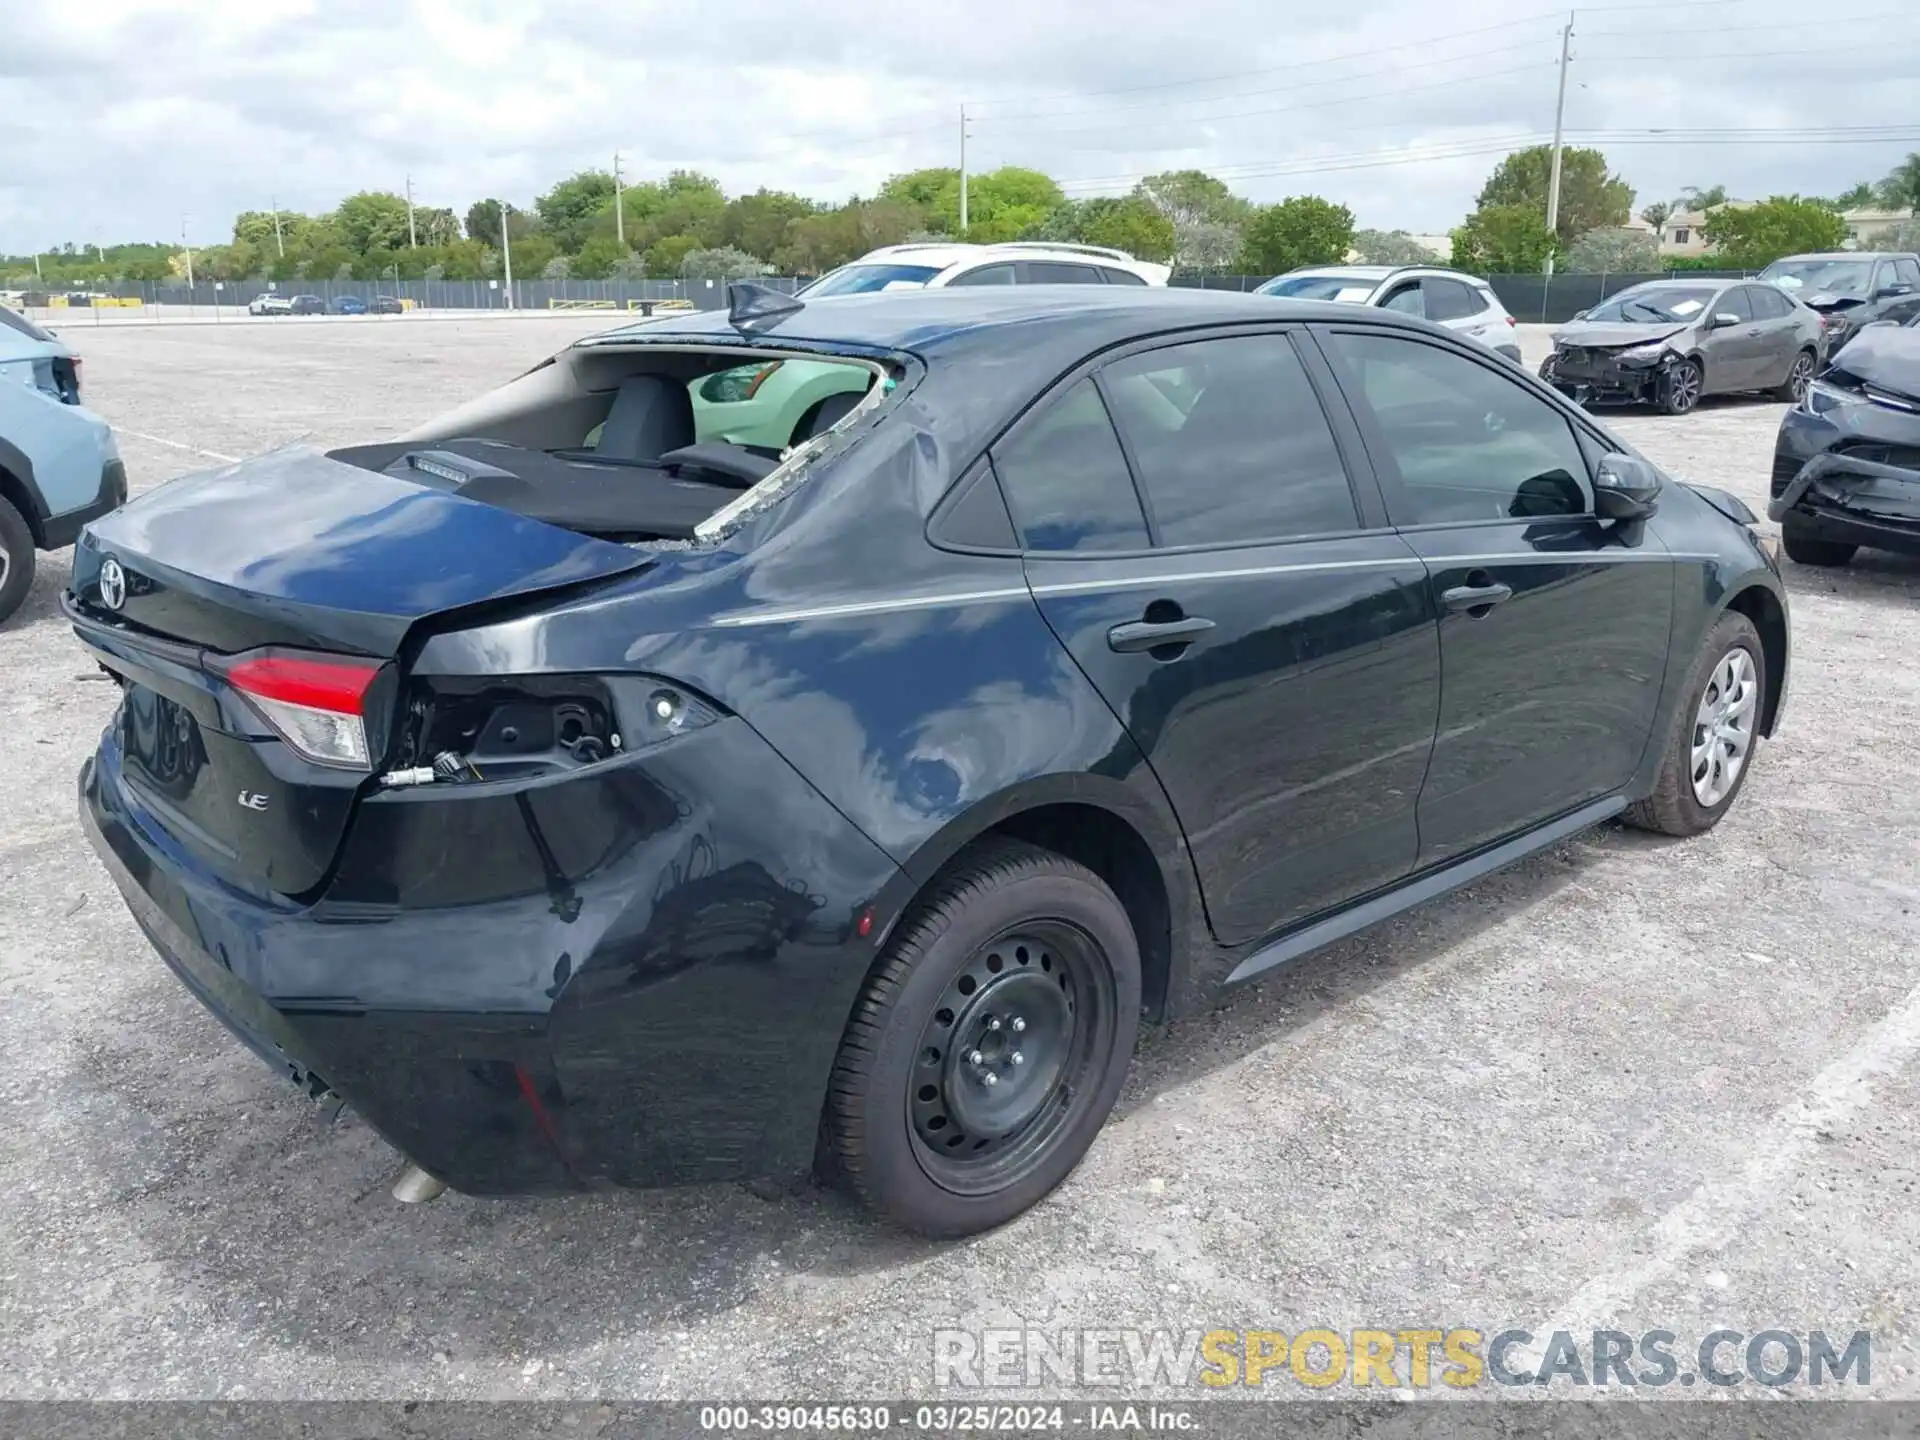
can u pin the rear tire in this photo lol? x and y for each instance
(1795, 388)
(1719, 713)
(1013, 951)
(16, 558)
(1805, 548)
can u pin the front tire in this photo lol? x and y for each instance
(16, 558)
(1714, 736)
(1680, 388)
(1017, 964)
(1803, 547)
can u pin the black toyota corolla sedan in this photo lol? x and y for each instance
(592, 800)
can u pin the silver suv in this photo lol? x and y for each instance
(1462, 303)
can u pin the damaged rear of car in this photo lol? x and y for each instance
(407, 786)
(1846, 467)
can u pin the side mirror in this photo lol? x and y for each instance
(1886, 291)
(1722, 319)
(1579, 314)
(1625, 487)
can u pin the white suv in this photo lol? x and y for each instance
(935, 263)
(1462, 303)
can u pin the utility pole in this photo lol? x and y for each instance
(413, 240)
(619, 215)
(279, 241)
(1559, 115)
(963, 170)
(189, 249)
(506, 252)
(39, 279)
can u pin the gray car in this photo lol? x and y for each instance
(1670, 342)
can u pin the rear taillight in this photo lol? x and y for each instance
(317, 706)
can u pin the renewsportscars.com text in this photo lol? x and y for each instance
(1414, 1357)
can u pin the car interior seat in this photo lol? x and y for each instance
(650, 415)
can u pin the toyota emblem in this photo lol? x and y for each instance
(113, 584)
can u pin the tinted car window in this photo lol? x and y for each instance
(1051, 272)
(1066, 479)
(1907, 272)
(1469, 443)
(1450, 300)
(985, 275)
(977, 515)
(1734, 302)
(1768, 303)
(1251, 457)
(1407, 300)
(1121, 277)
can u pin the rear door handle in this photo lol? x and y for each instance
(1151, 634)
(1475, 600)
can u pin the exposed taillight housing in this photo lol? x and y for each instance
(317, 704)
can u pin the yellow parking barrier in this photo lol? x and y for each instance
(580, 304)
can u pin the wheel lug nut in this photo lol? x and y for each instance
(1018, 1024)
(1017, 1058)
(976, 1058)
(991, 1078)
(993, 1023)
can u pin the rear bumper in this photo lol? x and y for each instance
(657, 1002)
(1827, 477)
(62, 530)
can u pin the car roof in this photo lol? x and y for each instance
(1847, 255)
(1679, 282)
(943, 254)
(1041, 328)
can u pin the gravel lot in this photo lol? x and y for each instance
(1631, 1082)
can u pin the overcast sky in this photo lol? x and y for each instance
(119, 116)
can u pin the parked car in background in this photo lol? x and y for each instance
(1851, 288)
(59, 464)
(306, 305)
(936, 264)
(270, 302)
(1462, 303)
(346, 305)
(387, 305)
(775, 403)
(1671, 342)
(1846, 463)
(857, 806)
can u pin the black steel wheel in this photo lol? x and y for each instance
(989, 1043)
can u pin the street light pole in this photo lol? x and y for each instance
(963, 170)
(1559, 116)
(279, 241)
(619, 213)
(506, 252)
(413, 239)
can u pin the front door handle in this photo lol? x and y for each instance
(1152, 634)
(1475, 600)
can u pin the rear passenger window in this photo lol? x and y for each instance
(1120, 277)
(1052, 272)
(1469, 443)
(1230, 442)
(1066, 479)
(1407, 300)
(1907, 272)
(985, 275)
(1767, 302)
(1450, 300)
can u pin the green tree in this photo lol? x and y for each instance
(929, 191)
(1591, 196)
(568, 210)
(1503, 240)
(1901, 189)
(1300, 230)
(757, 223)
(530, 255)
(1188, 197)
(1390, 247)
(1614, 252)
(1857, 196)
(483, 222)
(665, 254)
(1655, 213)
(1131, 223)
(598, 257)
(371, 220)
(723, 262)
(685, 203)
(1754, 236)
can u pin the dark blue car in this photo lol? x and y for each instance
(346, 305)
(592, 801)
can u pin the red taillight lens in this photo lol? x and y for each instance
(317, 706)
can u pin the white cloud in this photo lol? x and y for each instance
(119, 116)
